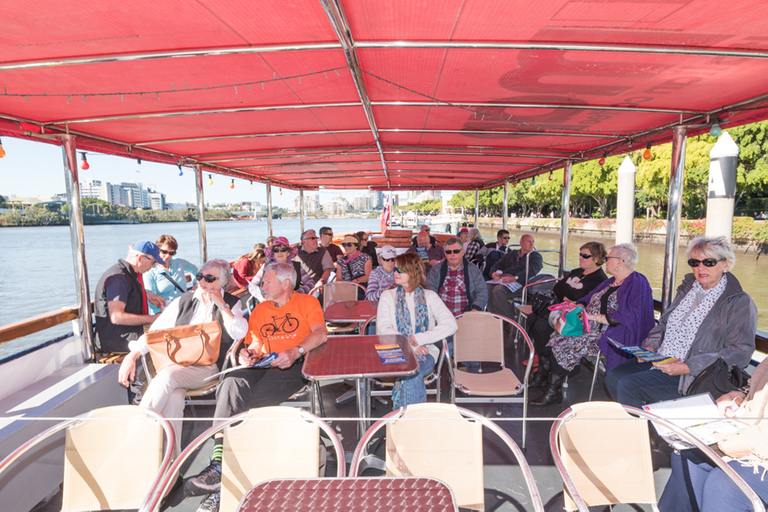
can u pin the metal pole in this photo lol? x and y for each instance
(269, 207)
(724, 158)
(674, 210)
(77, 238)
(477, 207)
(301, 208)
(625, 203)
(505, 207)
(566, 208)
(201, 214)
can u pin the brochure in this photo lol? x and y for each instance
(647, 355)
(513, 287)
(422, 251)
(264, 362)
(698, 415)
(390, 354)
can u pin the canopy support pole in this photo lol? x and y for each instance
(674, 211)
(269, 206)
(564, 211)
(201, 214)
(505, 206)
(477, 207)
(77, 238)
(301, 208)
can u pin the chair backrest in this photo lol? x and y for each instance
(121, 442)
(272, 442)
(433, 439)
(606, 453)
(480, 337)
(338, 290)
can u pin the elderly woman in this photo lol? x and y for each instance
(210, 301)
(579, 282)
(281, 252)
(620, 308)
(710, 317)
(418, 314)
(695, 484)
(247, 266)
(382, 278)
(167, 281)
(474, 245)
(355, 265)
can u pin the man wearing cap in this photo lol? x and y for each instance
(458, 281)
(464, 237)
(382, 277)
(315, 260)
(430, 254)
(120, 304)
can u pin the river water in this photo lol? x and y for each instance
(36, 273)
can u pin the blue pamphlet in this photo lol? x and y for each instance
(264, 362)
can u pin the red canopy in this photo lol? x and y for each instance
(446, 94)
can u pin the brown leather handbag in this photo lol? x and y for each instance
(185, 345)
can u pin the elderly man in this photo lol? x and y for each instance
(288, 324)
(430, 254)
(315, 260)
(423, 228)
(511, 273)
(326, 240)
(458, 281)
(120, 303)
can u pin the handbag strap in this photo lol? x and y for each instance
(168, 340)
(563, 306)
(173, 282)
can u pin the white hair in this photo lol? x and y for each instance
(283, 271)
(223, 268)
(717, 247)
(628, 254)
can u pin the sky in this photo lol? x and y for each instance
(34, 169)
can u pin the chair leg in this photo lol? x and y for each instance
(594, 376)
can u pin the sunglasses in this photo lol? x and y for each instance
(505, 238)
(387, 259)
(310, 238)
(585, 256)
(171, 253)
(453, 251)
(326, 234)
(349, 244)
(207, 278)
(281, 249)
(399, 270)
(708, 262)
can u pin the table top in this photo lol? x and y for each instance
(355, 357)
(402, 494)
(351, 310)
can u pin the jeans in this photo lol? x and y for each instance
(696, 484)
(412, 389)
(636, 384)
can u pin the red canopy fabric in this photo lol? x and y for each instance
(445, 94)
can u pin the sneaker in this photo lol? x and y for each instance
(210, 503)
(208, 481)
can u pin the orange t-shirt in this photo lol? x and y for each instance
(282, 328)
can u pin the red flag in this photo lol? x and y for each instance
(384, 218)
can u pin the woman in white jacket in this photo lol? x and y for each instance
(420, 315)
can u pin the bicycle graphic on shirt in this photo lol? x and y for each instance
(287, 324)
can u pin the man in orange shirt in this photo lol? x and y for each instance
(286, 323)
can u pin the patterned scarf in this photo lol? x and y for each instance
(685, 320)
(403, 314)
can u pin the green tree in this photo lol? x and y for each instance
(595, 181)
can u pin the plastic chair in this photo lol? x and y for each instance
(441, 441)
(337, 291)
(603, 453)
(268, 443)
(480, 337)
(104, 447)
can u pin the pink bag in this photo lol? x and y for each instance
(568, 319)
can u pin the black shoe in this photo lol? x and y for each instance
(207, 482)
(553, 395)
(539, 381)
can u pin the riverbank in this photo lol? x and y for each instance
(749, 235)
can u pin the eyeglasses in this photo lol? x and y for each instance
(387, 259)
(207, 278)
(585, 256)
(453, 251)
(280, 249)
(505, 238)
(708, 262)
(349, 244)
(170, 253)
(614, 258)
(151, 260)
(310, 238)
(399, 270)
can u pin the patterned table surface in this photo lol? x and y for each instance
(355, 357)
(351, 310)
(401, 494)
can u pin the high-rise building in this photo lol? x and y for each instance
(377, 199)
(156, 200)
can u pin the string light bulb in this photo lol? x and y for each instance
(647, 153)
(550, 175)
(281, 191)
(602, 159)
(84, 165)
(514, 184)
(233, 183)
(715, 131)
(533, 180)
(2, 151)
(138, 165)
(210, 179)
(181, 172)
(251, 182)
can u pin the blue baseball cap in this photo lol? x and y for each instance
(149, 249)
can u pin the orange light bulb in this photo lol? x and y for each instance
(210, 179)
(647, 153)
(84, 165)
(2, 151)
(233, 184)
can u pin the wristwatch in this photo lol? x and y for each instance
(300, 349)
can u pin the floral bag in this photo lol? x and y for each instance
(568, 319)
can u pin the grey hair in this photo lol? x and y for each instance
(133, 252)
(304, 234)
(283, 271)
(717, 247)
(223, 268)
(453, 241)
(474, 234)
(628, 253)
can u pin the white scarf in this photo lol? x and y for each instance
(684, 321)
